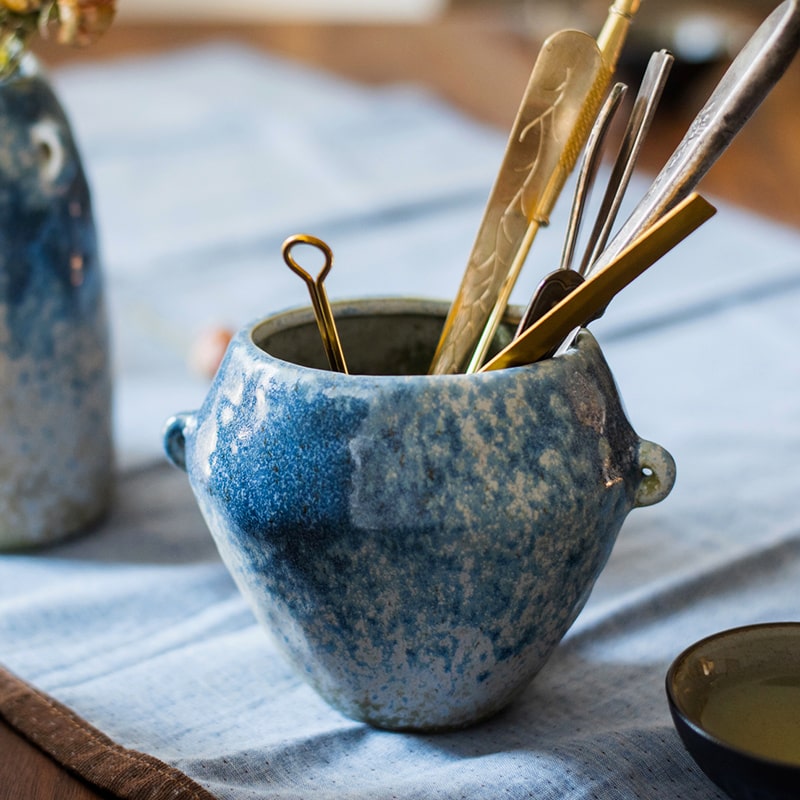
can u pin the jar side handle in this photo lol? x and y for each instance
(175, 437)
(657, 469)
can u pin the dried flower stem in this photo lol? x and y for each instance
(77, 22)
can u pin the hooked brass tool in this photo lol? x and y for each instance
(319, 297)
(564, 93)
(545, 335)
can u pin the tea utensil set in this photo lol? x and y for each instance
(564, 93)
(567, 108)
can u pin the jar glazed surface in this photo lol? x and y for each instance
(417, 545)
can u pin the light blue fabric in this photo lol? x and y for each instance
(202, 162)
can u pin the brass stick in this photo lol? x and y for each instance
(319, 297)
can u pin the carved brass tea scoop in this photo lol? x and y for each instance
(564, 93)
(319, 297)
(577, 308)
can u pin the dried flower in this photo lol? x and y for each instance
(82, 21)
(77, 22)
(21, 6)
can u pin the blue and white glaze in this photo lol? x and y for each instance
(417, 545)
(55, 394)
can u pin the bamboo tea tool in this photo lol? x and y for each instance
(749, 79)
(547, 333)
(319, 297)
(564, 93)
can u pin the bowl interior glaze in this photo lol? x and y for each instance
(735, 701)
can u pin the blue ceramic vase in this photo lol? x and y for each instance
(417, 545)
(55, 394)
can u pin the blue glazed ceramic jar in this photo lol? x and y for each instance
(417, 545)
(55, 395)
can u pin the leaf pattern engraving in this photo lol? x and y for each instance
(513, 204)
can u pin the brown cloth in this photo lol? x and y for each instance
(85, 751)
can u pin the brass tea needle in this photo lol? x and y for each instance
(560, 103)
(546, 334)
(319, 297)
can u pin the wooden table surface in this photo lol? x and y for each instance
(479, 61)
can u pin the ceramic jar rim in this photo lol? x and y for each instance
(262, 328)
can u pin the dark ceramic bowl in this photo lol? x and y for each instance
(735, 701)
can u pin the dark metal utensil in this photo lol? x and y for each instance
(751, 76)
(549, 293)
(588, 170)
(559, 283)
(641, 118)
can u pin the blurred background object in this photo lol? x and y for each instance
(477, 55)
(351, 10)
(701, 34)
(697, 33)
